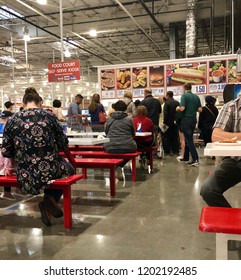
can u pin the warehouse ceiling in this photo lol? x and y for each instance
(127, 32)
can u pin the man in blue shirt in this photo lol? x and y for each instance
(190, 104)
(74, 113)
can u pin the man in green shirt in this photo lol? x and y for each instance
(189, 106)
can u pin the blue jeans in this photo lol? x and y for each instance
(225, 176)
(187, 127)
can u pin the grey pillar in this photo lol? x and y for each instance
(172, 42)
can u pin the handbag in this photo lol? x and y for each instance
(102, 116)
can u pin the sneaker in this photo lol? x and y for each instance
(8, 196)
(180, 158)
(193, 163)
(119, 174)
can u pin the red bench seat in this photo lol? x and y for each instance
(103, 154)
(225, 222)
(63, 184)
(105, 163)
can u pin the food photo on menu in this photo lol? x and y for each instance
(156, 76)
(179, 74)
(123, 78)
(139, 76)
(217, 71)
(233, 76)
(107, 79)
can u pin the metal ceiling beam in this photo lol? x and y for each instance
(148, 37)
(81, 9)
(54, 35)
(71, 32)
(160, 26)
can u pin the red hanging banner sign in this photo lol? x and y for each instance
(64, 71)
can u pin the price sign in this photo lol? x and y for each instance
(107, 94)
(120, 93)
(178, 90)
(199, 89)
(214, 88)
(138, 92)
(157, 92)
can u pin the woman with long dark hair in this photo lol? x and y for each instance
(95, 108)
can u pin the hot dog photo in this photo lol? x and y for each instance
(193, 73)
(156, 76)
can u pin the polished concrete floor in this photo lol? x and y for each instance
(156, 217)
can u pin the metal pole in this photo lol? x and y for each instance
(53, 83)
(12, 62)
(62, 45)
(12, 54)
(26, 59)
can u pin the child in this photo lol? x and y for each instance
(7, 168)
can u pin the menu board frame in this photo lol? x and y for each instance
(141, 76)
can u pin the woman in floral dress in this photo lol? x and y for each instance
(34, 138)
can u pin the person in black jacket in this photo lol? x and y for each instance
(154, 109)
(207, 119)
(172, 139)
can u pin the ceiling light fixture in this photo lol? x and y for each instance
(26, 36)
(93, 33)
(67, 53)
(42, 2)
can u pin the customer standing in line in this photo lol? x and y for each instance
(95, 108)
(154, 109)
(131, 108)
(34, 138)
(207, 119)
(169, 121)
(75, 114)
(190, 104)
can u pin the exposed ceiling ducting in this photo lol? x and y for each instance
(191, 32)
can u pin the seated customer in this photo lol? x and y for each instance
(143, 123)
(34, 138)
(120, 129)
